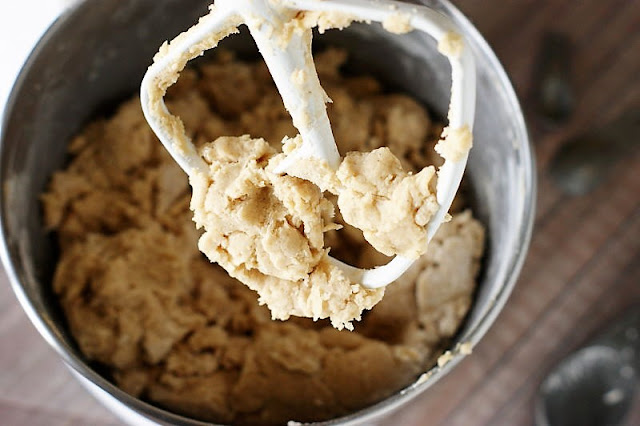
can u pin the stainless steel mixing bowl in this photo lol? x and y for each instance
(95, 54)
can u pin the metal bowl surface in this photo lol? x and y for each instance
(95, 54)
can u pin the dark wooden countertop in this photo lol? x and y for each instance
(583, 267)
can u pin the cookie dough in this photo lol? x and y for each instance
(390, 206)
(267, 230)
(176, 330)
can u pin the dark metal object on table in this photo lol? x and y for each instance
(552, 91)
(595, 385)
(584, 162)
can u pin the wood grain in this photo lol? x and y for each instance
(583, 268)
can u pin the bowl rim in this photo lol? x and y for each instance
(367, 414)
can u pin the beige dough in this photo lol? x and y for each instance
(267, 230)
(390, 206)
(175, 329)
(376, 195)
(398, 23)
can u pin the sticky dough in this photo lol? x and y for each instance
(175, 329)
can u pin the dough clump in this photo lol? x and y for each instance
(266, 230)
(390, 206)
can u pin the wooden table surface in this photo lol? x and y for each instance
(582, 271)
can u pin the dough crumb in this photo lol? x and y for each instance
(327, 20)
(466, 348)
(455, 143)
(451, 45)
(398, 23)
(304, 21)
(460, 349)
(444, 359)
(298, 77)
